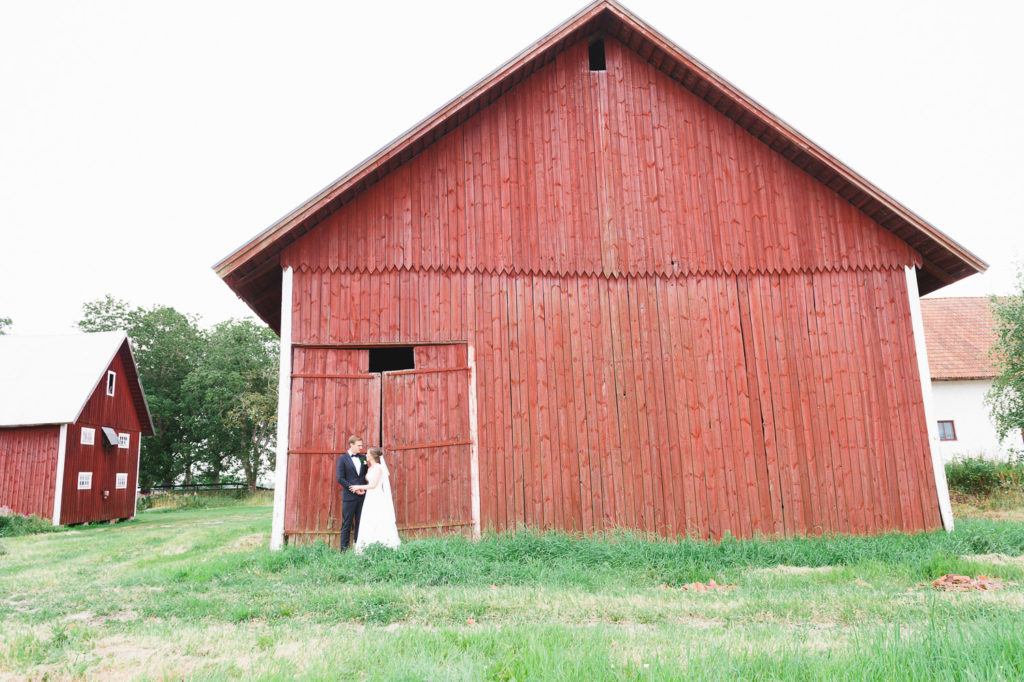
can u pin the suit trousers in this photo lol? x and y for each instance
(350, 510)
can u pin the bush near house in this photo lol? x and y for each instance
(14, 525)
(976, 476)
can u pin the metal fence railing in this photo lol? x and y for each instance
(198, 487)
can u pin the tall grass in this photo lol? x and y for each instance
(205, 499)
(15, 525)
(196, 593)
(530, 557)
(976, 476)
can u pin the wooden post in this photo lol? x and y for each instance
(474, 448)
(58, 491)
(284, 391)
(938, 468)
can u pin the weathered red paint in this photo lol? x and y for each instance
(28, 469)
(105, 462)
(29, 456)
(677, 326)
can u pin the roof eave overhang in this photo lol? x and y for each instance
(252, 269)
(135, 383)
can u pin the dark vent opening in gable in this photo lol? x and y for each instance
(391, 359)
(597, 55)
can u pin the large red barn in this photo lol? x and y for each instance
(72, 414)
(604, 288)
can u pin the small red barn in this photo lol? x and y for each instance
(604, 288)
(72, 413)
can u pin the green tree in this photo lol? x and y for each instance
(168, 346)
(108, 314)
(1006, 397)
(5, 324)
(233, 398)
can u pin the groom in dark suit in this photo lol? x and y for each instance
(351, 470)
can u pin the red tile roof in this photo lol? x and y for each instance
(958, 333)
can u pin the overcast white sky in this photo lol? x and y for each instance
(141, 142)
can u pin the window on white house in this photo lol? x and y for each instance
(122, 481)
(88, 436)
(123, 440)
(947, 431)
(84, 480)
(111, 382)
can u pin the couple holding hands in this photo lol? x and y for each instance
(367, 509)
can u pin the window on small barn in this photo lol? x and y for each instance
(122, 481)
(391, 359)
(88, 436)
(84, 480)
(947, 431)
(123, 440)
(597, 62)
(111, 382)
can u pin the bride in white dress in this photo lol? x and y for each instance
(377, 519)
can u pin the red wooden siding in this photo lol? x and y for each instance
(105, 462)
(28, 469)
(333, 398)
(427, 444)
(675, 328)
(622, 171)
(762, 403)
(421, 417)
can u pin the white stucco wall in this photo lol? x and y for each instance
(963, 403)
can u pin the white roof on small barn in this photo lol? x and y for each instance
(49, 379)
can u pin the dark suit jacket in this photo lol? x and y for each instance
(348, 475)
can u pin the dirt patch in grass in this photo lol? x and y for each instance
(969, 511)
(794, 570)
(997, 559)
(248, 542)
(90, 618)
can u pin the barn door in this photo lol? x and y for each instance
(333, 397)
(427, 437)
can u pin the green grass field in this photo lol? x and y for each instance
(194, 593)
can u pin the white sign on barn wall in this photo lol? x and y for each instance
(122, 481)
(84, 480)
(88, 436)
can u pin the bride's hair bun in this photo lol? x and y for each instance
(376, 453)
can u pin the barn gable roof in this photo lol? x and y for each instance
(253, 270)
(49, 379)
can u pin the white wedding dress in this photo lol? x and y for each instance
(377, 519)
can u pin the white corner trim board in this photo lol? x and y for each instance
(938, 468)
(284, 392)
(138, 460)
(58, 490)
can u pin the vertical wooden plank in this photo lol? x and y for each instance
(537, 389)
(764, 522)
(615, 494)
(767, 379)
(663, 408)
(887, 486)
(825, 431)
(522, 432)
(856, 459)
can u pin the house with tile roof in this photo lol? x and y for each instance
(959, 333)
